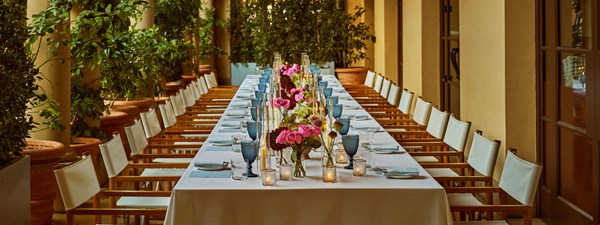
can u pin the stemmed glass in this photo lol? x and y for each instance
(250, 152)
(350, 143)
(253, 129)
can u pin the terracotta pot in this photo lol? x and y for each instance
(85, 144)
(144, 104)
(116, 121)
(204, 69)
(173, 87)
(45, 155)
(131, 110)
(352, 75)
(187, 79)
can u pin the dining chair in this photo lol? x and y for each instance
(385, 88)
(382, 104)
(453, 144)
(418, 120)
(481, 159)
(78, 184)
(402, 111)
(519, 180)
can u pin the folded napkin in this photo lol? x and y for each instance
(408, 171)
(210, 174)
(236, 113)
(221, 141)
(219, 148)
(352, 107)
(383, 147)
(239, 105)
(230, 130)
(245, 97)
(210, 164)
(366, 127)
(345, 98)
(362, 117)
(231, 125)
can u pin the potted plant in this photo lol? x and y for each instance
(17, 69)
(350, 45)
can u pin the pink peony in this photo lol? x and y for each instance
(294, 137)
(315, 130)
(296, 90)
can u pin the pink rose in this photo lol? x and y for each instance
(280, 102)
(282, 137)
(315, 130)
(294, 137)
(296, 90)
(304, 130)
(298, 97)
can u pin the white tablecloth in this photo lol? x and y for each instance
(368, 200)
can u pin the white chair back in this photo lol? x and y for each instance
(483, 154)
(211, 80)
(184, 94)
(520, 178)
(151, 123)
(422, 111)
(77, 182)
(405, 101)
(194, 90)
(137, 141)
(370, 79)
(385, 88)
(178, 104)
(378, 83)
(456, 133)
(394, 94)
(437, 123)
(168, 114)
(203, 85)
(190, 98)
(114, 156)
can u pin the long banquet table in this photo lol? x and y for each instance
(373, 199)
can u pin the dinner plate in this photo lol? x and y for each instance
(386, 151)
(211, 166)
(401, 176)
(223, 142)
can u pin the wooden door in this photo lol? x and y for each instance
(449, 56)
(568, 111)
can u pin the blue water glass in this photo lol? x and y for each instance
(335, 99)
(346, 127)
(323, 83)
(263, 80)
(259, 94)
(255, 102)
(251, 127)
(249, 152)
(350, 143)
(262, 87)
(253, 112)
(337, 110)
(327, 92)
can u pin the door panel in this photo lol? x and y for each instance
(568, 111)
(450, 56)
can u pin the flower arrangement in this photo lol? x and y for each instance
(301, 127)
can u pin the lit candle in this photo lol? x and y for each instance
(285, 172)
(329, 174)
(268, 177)
(360, 167)
(341, 157)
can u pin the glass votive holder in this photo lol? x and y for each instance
(340, 156)
(285, 172)
(329, 174)
(360, 167)
(268, 177)
(238, 169)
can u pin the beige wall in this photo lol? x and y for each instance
(520, 78)
(431, 51)
(412, 45)
(386, 46)
(482, 65)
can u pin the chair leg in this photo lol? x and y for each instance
(70, 218)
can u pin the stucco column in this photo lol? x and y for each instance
(222, 63)
(147, 16)
(57, 78)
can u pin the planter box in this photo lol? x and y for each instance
(239, 72)
(14, 192)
